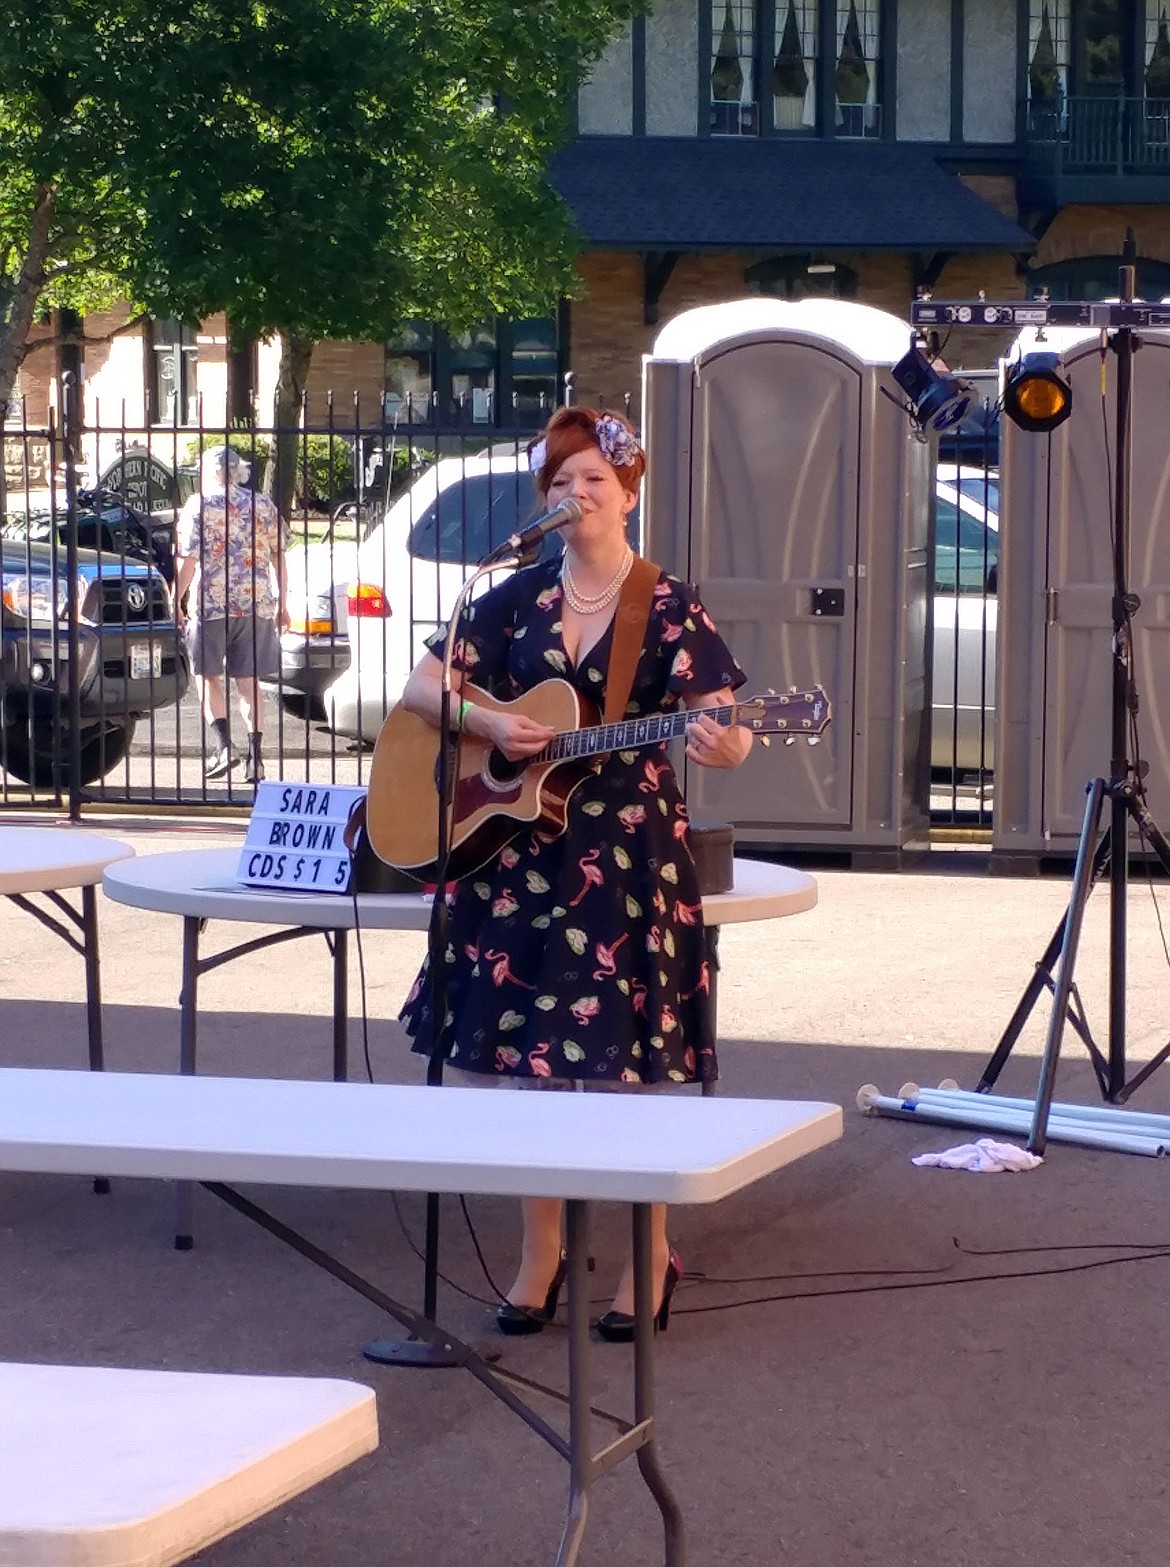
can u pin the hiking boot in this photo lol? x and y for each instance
(254, 765)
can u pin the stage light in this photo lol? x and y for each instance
(1035, 394)
(938, 402)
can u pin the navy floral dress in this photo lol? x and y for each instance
(582, 955)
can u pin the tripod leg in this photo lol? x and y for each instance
(1062, 990)
(1149, 830)
(1041, 980)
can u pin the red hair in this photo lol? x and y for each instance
(573, 430)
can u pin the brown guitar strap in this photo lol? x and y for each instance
(629, 632)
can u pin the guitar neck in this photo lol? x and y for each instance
(631, 733)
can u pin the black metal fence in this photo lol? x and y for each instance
(98, 698)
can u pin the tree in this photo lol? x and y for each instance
(313, 167)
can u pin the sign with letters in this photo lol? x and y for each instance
(296, 837)
(141, 479)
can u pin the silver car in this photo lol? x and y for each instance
(966, 561)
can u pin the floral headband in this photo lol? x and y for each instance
(617, 445)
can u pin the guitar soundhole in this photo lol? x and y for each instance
(500, 770)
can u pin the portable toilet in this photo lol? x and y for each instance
(787, 483)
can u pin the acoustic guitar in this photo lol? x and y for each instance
(495, 799)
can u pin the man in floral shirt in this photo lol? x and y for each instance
(231, 545)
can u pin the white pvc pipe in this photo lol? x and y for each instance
(1018, 1122)
(1141, 1121)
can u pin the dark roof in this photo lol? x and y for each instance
(747, 193)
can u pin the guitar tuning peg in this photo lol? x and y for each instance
(791, 690)
(814, 739)
(789, 739)
(765, 741)
(771, 691)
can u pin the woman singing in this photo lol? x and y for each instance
(579, 959)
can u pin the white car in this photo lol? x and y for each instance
(315, 648)
(966, 560)
(409, 571)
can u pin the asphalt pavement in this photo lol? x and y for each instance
(869, 1363)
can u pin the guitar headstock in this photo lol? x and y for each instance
(794, 714)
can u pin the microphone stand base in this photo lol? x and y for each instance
(418, 1352)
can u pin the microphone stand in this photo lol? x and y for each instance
(515, 552)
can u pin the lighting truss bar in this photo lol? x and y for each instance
(1094, 314)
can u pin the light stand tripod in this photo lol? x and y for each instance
(414, 1351)
(1124, 788)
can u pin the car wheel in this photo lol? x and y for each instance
(102, 749)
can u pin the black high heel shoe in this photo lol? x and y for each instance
(617, 1327)
(516, 1320)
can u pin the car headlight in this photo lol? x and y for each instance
(36, 598)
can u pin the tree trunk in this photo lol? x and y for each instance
(26, 291)
(280, 478)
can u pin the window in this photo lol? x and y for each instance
(1095, 49)
(535, 365)
(471, 369)
(794, 68)
(733, 69)
(1157, 61)
(800, 277)
(1096, 277)
(492, 375)
(409, 374)
(469, 518)
(856, 80)
(964, 551)
(173, 394)
(984, 491)
(767, 74)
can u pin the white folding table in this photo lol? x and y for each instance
(104, 1467)
(638, 1149)
(200, 885)
(48, 861)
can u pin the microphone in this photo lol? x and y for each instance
(569, 510)
(525, 542)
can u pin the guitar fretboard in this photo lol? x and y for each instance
(631, 733)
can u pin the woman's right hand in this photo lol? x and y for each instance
(517, 736)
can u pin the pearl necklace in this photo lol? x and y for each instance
(583, 605)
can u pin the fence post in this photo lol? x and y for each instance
(71, 443)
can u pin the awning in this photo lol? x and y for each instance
(746, 193)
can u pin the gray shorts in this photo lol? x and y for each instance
(244, 645)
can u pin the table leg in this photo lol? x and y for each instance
(340, 1006)
(93, 985)
(581, 1468)
(93, 997)
(645, 1302)
(188, 1013)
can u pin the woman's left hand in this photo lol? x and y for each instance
(716, 745)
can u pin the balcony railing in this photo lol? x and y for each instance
(854, 120)
(1103, 135)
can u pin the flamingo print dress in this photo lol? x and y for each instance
(582, 956)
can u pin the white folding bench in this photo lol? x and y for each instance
(101, 1467)
(635, 1149)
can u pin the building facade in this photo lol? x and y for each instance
(867, 149)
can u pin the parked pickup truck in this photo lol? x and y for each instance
(131, 659)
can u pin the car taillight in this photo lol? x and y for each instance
(310, 628)
(366, 598)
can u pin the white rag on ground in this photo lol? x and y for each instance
(986, 1157)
